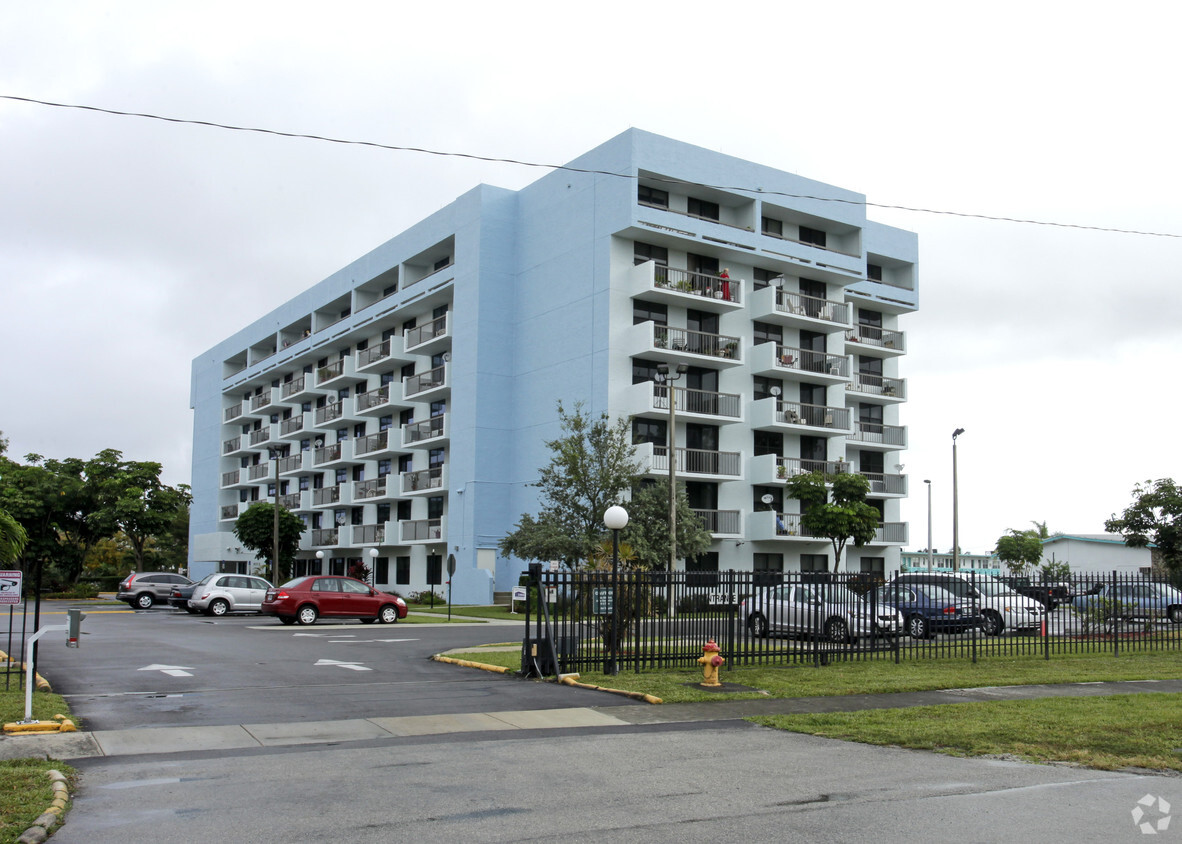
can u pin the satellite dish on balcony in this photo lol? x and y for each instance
(767, 498)
(659, 378)
(447, 357)
(775, 391)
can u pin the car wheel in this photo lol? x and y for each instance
(1175, 614)
(388, 615)
(917, 627)
(307, 615)
(145, 600)
(367, 620)
(757, 624)
(218, 607)
(991, 623)
(287, 619)
(836, 630)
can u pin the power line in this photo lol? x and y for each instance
(570, 169)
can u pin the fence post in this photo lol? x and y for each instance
(1116, 616)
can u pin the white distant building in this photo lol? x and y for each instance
(1097, 553)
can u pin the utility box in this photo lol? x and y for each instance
(73, 627)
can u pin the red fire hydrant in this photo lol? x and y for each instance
(710, 660)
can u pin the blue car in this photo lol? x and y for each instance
(928, 609)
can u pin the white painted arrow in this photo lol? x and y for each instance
(322, 635)
(354, 666)
(170, 670)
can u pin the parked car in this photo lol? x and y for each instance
(306, 599)
(927, 609)
(829, 610)
(1001, 608)
(143, 589)
(219, 594)
(1131, 601)
(1049, 594)
(180, 594)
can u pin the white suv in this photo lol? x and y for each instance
(999, 605)
(219, 594)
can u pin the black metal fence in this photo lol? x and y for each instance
(768, 618)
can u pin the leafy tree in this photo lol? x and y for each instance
(1054, 570)
(647, 533)
(592, 465)
(1155, 516)
(846, 517)
(12, 539)
(1019, 549)
(146, 508)
(255, 530)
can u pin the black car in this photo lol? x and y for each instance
(179, 597)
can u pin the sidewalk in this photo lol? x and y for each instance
(233, 737)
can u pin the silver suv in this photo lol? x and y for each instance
(142, 590)
(219, 594)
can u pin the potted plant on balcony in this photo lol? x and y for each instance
(781, 471)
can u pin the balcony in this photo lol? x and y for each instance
(261, 405)
(421, 531)
(260, 472)
(260, 437)
(381, 401)
(296, 427)
(229, 513)
(369, 534)
(373, 446)
(422, 481)
(878, 389)
(232, 447)
(329, 496)
(780, 307)
(805, 418)
(790, 467)
(330, 416)
(683, 345)
(373, 491)
(426, 386)
(324, 536)
(702, 403)
(387, 352)
(874, 342)
(331, 456)
(879, 437)
(294, 501)
(231, 479)
(433, 431)
(890, 533)
(693, 461)
(232, 412)
(293, 464)
(721, 522)
(333, 375)
(428, 338)
(776, 361)
(683, 288)
(298, 390)
(884, 485)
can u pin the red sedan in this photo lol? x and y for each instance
(306, 599)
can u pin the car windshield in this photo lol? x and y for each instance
(206, 579)
(995, 588)
(835, 594)
(939, 594)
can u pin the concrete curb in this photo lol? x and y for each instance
(572, 680)
(483, 666)
(52, 816)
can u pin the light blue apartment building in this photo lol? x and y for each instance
(404, 402)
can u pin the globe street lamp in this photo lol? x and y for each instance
(616, 519)
(373, 561)
(955, 503)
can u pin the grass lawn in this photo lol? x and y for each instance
(24, 784)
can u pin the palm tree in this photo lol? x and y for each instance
(12, 539)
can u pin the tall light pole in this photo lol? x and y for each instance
(955, 507)
(929, 483)
(667, 377)
(274, 454)
(616, 519)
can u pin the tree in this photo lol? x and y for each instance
(592, 465)
(1155, 516)
(145, 508)
(255, 530)
(647, 532)
(1019, 549)
(13, 539)
(846, 517)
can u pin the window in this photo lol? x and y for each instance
(763, 387)
(435, 457)
(866, 316)
(442, 263)
(767, 562)
(648, 431)
(652, 196)
(381, 570)
(814, 562)
(766, 332)
(434, 570)
(777, 499)
(402, 571)
(703, 209)
(342, 475)
(874, 271)
(815, 237)
(875, 566)
(385, 423)
(643, 370)
(384, 467)
(642, 252)
(649, 312)
(773, 227)
(435, 507)
(765, 278)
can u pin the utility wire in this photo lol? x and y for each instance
(570, 169)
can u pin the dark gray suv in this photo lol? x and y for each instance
(142, 590)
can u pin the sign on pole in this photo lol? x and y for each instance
(10, 587)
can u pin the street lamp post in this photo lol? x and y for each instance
(373, 560)
(274, 455)
(929, 483)
(955, 507)
(667, 377)
(616, 519)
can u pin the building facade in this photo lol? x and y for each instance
(404, 402)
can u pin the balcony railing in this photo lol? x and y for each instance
(333, 370)
(295, 385)
(292, 463)
(720, 521)
(420, 334)
(698, 401)
(229, 511)
(367, 357)
(373, 398)
(699, 284)
(790, 467)
(292, 425)
(231, 445)
(696, 342)
(873, 336)
(807, 360)
(330, 412)
(369, 534)
(891, 532)
(425, 381)
(291, 501)
(373, 488)
(814, 415)
(327, 454)
(374, 442)
(428, 429)
(260, 401)
(874, 432)
(230, 478)
(884, 484)
(878, 385)
(233, 412)
(324, 536)
(698, 461)
(326, 495)
(431, 478)
(259, 470)
(422, 529)
(809, 306)
(260, 435)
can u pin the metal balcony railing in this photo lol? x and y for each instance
(809, 306)
(425, 381)
(426, 430)
(874, 336)
(330, 412)
(324, 536)
(886, 484)
(431, 478)
(372, 355)
(790, 467)
(374, 442)
(807, 360)
(373, 398)
(698, 461)
(876, 432)
(696, 342)
(700, 284)
(878, 385)
(420, 334)
(422, 529)
(814, 415)
(373, 488)
(698, 401)
(720, 521)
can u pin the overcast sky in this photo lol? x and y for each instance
(129, 246)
